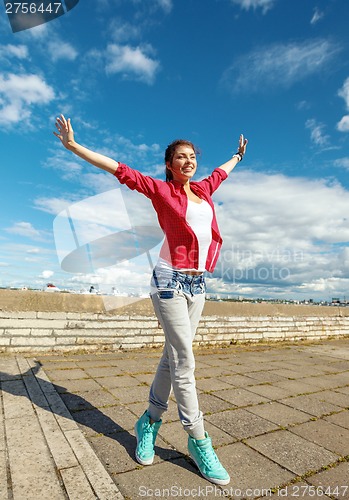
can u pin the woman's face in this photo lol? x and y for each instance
(183, 165)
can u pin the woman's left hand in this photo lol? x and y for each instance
(242, 145)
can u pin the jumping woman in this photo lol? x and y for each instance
(192, 244)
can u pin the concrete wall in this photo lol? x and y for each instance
(32, 331)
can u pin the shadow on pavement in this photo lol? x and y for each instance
(47, 395)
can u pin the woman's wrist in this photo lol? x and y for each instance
(238, 155)
(71, 145)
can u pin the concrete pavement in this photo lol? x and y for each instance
(277, 414)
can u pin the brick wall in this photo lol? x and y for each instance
(31, 331)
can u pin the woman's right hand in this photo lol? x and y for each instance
(65, 131)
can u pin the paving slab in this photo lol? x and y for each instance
(262, 377)
(238, 380)
(100, 398)
(241, 424)
(61, 375)
(319, 383)
(334, 481)
(176, 479)
(339, 366)
(60, 364)
(80, 385)
(297, 387)
(280, 414)
(336, 398)
(105, 371)
(126, 395)
(343, 390)
(271, 392)
(212, 384)
(334, 349)
(33, 472)
(311, 404)
(341, 419)
(215, 371)
(15, 399)
(330, 436)
(118, 381)
(252, 475)
(107, 421)
(296, 454)
(240, 396)
(75, 483)
(289, 373)
(210, 404)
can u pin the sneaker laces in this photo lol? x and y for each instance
(209, 458)
(146, 443)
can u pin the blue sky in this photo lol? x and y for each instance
(134, 75)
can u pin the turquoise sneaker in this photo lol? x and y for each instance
(204, 456)
(146, 435)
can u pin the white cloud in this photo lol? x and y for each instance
(279, 65)
(122, 31)
(282, 235)
(68, 165)
(344, 92)
(318, 137)
(18, 93)
(60, 50)
(39, 32)
(33, 250)
(9, 51)
(343, 124)
(342, 163)
(265, 5)
(25, 229)
(52, 205)
(316, 16)
(131, 62)
(46, 274)
(166, 5)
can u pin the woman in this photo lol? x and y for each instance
(192, 243)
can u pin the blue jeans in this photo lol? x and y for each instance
(171, 280)
(178, 301)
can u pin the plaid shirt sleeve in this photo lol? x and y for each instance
(213, 181)
(135, 180)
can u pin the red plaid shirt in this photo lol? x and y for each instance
(170, 203)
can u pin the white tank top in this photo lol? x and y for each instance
(199, 216)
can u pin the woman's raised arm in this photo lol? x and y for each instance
(66, 136)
